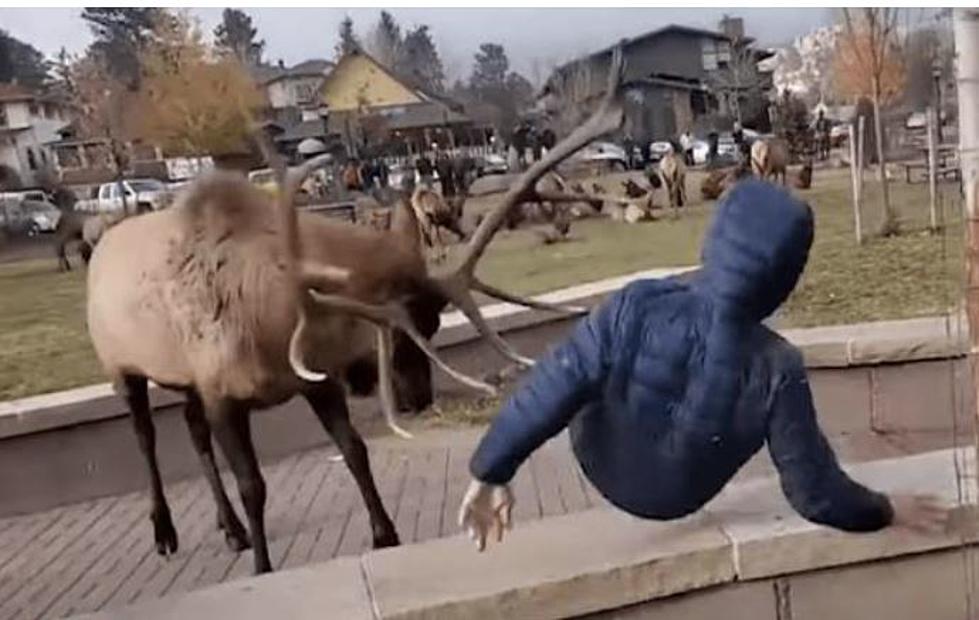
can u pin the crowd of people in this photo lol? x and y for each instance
(453, 170)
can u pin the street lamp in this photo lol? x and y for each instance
(936, 75)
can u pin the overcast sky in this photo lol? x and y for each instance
(535, 39)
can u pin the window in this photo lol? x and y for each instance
(304, 92)
(48, 110)
(32, 108)
(31, 160)
(3, 116)
(709, 52)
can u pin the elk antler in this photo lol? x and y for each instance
(457, 286)
(289, 182)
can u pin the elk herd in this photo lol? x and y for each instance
(239, 301)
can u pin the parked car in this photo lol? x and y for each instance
(29, 217)
(144, 194)
(491, 163)
(603, 153)
(263, 178)
(658, 149)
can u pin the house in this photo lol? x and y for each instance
(297, 86)
(678, 78)
(28, 121)
(373, 108)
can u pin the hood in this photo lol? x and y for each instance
(756, 248)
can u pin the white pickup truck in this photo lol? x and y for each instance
(141, 194)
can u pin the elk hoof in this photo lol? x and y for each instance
(387, 539)
(235, 535)
(165, 534)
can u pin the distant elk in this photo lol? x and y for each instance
(674, 175)
(234, 301)
(770, 159)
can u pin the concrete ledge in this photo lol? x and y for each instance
(333, 590)
(603, 559)
(822, 347)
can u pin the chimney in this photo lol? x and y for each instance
(733, 27)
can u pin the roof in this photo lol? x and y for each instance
(428, 114)
(652, 34)
(266, 74)
(10, 92)
(314, 128)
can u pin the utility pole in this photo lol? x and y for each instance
(966, 29)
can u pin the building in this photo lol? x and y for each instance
(374, 109)
(29, 120)
(678, 78)
(293, 87)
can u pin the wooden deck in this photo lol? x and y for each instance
(99, 554)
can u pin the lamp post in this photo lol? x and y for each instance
(936, 75)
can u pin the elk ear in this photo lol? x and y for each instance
(404, 225)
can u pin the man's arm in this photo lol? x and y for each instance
(811, 477)
(558, 386)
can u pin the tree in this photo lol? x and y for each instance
(121, 34)
(490, 69)
(520, 90)
(21, 61)
(421, 65)
(235, 35)
(101, 101)
(493, 83)
(348, 39)
(868, 63)
(385, 42)
(807, 66)
(190, 102)
(739, 78)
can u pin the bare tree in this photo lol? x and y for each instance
(869, 58)
(739, 78)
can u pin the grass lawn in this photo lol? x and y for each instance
(44, 346)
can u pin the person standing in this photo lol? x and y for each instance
(686, 143)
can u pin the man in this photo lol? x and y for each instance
(424, 167)
(823, 135)
(686, 143)
(443, 166)
(670, 386)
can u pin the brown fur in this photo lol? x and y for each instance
(674, 175)
(804, 179)
(770, 159)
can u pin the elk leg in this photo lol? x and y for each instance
(330, 405)
(234, 532)
(134, 390)
(232, 429)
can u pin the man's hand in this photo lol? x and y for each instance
(486, 508)
(925, 514)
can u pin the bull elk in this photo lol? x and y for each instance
(674, 175)
(233, 301)
(769, 159)
(434, 213)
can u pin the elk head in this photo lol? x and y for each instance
(399, 309)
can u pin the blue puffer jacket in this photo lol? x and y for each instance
(671, 385)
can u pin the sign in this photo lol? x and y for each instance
(184, 168)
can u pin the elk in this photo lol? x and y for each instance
(69, 229)
(769, 159)
(434, 212)
(233, 300)
(804, 178)
(633, 189)
(84, 229)
(674, 175)
(719, 181)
